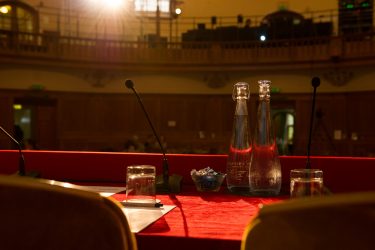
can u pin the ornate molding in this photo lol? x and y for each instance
(98, 78)
(338, 77)
(216, 80)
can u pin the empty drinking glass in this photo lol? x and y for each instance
(140, 184)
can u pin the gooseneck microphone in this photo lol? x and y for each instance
(166, 183)
(315, 82)
(21, 162)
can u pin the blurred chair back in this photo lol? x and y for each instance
(342, 221)
(34, 214)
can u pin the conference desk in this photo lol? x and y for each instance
(200, 220)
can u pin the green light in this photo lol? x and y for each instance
(37, 87)
(275, 90)
(283, 7)
(350, 6)
(365, 5)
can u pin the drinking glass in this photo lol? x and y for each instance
(306, 182)
(140, 184)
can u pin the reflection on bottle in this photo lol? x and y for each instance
(240, 147)
(265, 168)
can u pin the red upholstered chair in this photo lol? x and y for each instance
(34, 214)
(343, 221)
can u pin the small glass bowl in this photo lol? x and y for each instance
(208, 182)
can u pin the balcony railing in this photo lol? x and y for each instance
(21, 46)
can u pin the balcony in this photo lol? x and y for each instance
(44, 49)
(79, 39)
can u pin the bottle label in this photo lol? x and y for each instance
(238, 173)
(265, 170)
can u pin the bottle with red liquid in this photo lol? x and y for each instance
(240, 146)
(265, 168)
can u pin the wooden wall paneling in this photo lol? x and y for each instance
(97, 115)
(126, 107)
(207, 127)
(329, 116)
(215, 117)
(111, 121)
(46, 129)
(73, 118)
(302, 122)
(173, 113)
(6, 118)
(362, 119)
(227, 114)
(221, 122)
(322, 142)
(101, 115)
(361, 123)
(339, 116)
(113, 114)
(100, 123)
(74, 129)
(152, 106)
(92, 121)
(173, 122)
(197, 107)
(100, 118)
(192, 135)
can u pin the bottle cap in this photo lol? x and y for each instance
(241, 91)
(264, 89)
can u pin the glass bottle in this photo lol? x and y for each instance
(240, 146)
(265, 168)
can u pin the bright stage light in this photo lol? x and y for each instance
(178, 11)
(105, 5)
(5, 9)
(113, 4)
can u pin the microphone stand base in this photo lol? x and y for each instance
(173, 185)
(32, 174)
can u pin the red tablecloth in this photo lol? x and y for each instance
(201, 221)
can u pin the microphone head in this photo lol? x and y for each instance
(315, 82)
(129, 84)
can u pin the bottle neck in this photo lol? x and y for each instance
(241, 107)
(264, 134)
(240, 135)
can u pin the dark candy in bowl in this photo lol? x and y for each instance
(207, 179)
